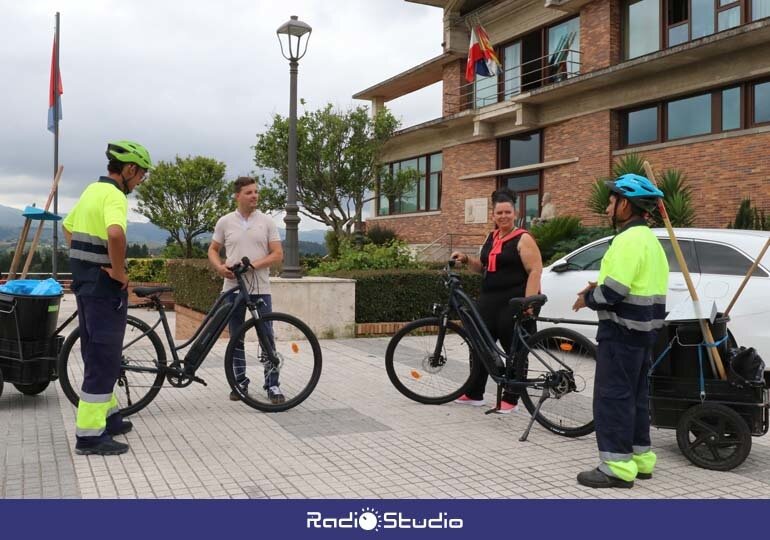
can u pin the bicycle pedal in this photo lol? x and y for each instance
(491, 411)
(199, 380)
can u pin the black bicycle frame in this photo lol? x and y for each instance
(484, 345)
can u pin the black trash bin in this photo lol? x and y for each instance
(27, 317)
(682, 360)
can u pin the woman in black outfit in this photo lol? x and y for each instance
(511, 266)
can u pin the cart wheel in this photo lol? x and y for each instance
(713, 436)
(32, 389)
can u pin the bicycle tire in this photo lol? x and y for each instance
(148, 350)
(570, 415)
(413, 370)
(296, 376)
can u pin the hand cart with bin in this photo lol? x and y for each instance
(714, 419)
(29, 343)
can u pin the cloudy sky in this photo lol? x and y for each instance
(187, 77)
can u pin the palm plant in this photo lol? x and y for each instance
(677, 194)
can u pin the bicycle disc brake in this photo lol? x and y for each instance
(432, 364)
(562, 382)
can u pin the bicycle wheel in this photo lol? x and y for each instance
(569, 410)
(295, 370)
(141, 373)
(416, 371)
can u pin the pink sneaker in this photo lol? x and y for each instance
(465, 400)
(507, 408)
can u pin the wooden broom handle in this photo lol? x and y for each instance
(714, 355)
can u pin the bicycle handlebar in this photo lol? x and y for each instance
(241, 267)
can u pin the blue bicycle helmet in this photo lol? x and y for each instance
(639, 190)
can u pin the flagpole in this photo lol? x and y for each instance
(56, 153)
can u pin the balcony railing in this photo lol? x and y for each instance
(536, 73)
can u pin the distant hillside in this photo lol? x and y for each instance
(11, 222)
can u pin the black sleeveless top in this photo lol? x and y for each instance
(510, 276)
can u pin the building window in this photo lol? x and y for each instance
(526, 65)
(564, 50)
(728, 14)
(425, 193)
(689, 117)
(762, 103)
(760, 9)
(484, 90)
(680, 21)
(731, 109)
(642, 126)
(518, 151)
(511, 69)
(642, 27)
(719, 110)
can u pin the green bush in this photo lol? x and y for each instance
(402, 295)
(369, 257)
(147, 270)
(551, 232)
(196, 285)
(380, 235)
(332, 241)
(750, 218)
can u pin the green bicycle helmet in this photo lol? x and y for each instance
(129, 152)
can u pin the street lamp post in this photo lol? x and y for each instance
(290, 36)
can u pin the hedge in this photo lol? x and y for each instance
(397, 295)
(196, 285)
(393, 295)
(147, 270)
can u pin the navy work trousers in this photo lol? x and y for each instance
(621, 392)
(102, 323)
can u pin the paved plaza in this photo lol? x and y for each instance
(355, 437)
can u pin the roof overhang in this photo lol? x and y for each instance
(434, 3)
(413, 79)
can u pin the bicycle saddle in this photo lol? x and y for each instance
(522, 304)
(142, 292)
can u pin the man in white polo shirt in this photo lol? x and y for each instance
(247, 232)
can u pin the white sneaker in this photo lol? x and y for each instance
(275, 395)
(465, 400)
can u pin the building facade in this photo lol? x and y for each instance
(684, 83)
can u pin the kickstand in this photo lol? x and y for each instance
(499, 399)
(534, 415)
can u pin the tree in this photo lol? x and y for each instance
(338, 158)
(185, 198)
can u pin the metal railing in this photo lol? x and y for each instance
(447, 247)
(536, 73)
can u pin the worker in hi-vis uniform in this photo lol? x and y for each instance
(95, 230)
(630, 300)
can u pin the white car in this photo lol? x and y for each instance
(718, 260)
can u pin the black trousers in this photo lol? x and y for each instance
(498, 317)
(621, 392)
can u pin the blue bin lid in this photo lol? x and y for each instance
(33, 212)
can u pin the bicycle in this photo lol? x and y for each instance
(277, 347)
(430, 361)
